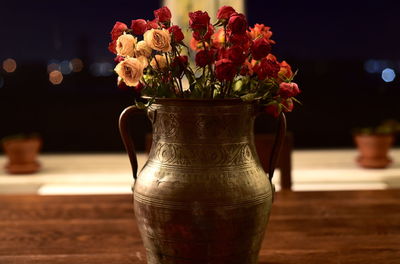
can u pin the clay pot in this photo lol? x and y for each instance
(374, 150)
(22, 155)
(203, 196)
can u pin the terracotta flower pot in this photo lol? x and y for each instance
(374, 150)
(22, 155)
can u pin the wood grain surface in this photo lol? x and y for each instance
(305, 227)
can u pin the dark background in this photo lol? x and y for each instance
(329, 42)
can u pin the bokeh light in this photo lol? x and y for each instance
(9, 65)
(388, 75)
(77, 65)
(53, 65)
(65, 67)
(55, 77)
(101, 69)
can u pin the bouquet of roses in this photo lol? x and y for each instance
(232, 60)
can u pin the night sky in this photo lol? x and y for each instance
(328, 41)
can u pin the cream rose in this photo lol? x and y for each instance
(130, 70)
(158, 39)
(126, 45)
(159, 62)
(142, 49)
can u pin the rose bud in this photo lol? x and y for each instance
(225, 70)
(159, 62)
(266, 69)
(158, 39)
(130, 70)
(199, 20)
(204, 58)
(139, 26)
(176, 33)
(118, 29)
(260, 48)
(163, 14)
(287, 90)
(126, 45)
(225, 12)
(237, 24)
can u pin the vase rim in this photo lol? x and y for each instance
(199, 100)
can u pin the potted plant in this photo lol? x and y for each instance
(374, 144)
(22, 151)
(202, 196)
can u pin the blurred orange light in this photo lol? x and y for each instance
(77, 65)
(55, 77)
(9, 65)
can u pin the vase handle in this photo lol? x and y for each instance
(127, 138)
(276, 148)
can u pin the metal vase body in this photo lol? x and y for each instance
(202, 197)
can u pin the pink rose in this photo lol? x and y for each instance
(163, 14)
(139, 26)
(225, 70)
(117, 30)
(287, 105)
(260, 48)
(273, 109)
(287, 90)
(225, 12)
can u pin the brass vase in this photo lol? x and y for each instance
(202, 197)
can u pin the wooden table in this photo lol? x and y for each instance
(305, 227)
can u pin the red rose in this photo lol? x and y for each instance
(239, 39)
(287, 90)
(286, 70)
(163, 14)
(234, 53)
(201, 35)
(176, 33)
(237, 24)
(139, 26)
(112, 46)
(179, 65)
(117, 30)
(260, 48)
(225, 12)
(204, 58)
(247, 69)
(273, 109)
(152, 24)
(199, 20)
(266, 69)
(225, 70)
